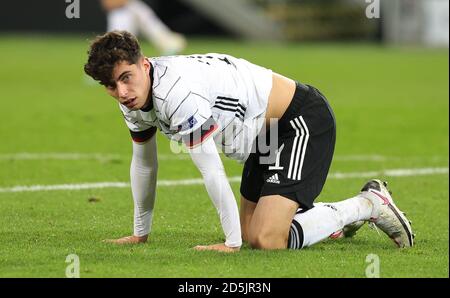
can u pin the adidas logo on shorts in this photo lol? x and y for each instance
(273, 179)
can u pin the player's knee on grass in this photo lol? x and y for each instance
(262, 241)
(271, 221)
(266, 237)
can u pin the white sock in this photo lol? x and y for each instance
(324, 219)
(149, 24)
(353, 209)
(122, 19)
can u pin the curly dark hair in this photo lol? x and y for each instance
(109, 49)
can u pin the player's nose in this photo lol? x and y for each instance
(122, 91)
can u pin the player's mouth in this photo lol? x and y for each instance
(130, 103)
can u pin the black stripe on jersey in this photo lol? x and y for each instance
(234, 137)
(225, 101)
(231, 105)
(226, 104)
(240, 115)
(201, 96)
(242, 107)
(202, 116)
(170, 117)
(228, 98)
(240, 112)
(143, 136)
(167, 95)
(237, 110)
(159, 79)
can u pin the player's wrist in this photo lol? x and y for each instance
(233, 247)
(141, 239)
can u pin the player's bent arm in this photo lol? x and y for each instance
(207, 159)
(143, 176)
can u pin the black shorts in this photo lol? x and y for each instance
(306, 137)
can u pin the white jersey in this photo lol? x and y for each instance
(189, 90)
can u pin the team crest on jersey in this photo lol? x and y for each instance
(188, 124)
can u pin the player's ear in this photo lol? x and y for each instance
(145, 64)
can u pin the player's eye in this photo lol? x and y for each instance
(126, 78)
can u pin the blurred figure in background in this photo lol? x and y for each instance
(137, 17)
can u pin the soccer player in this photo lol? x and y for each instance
(216, 100)
(136, 17)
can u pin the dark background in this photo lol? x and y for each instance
(49, 16)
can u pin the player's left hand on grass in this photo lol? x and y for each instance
(128, 240)
(221, 247)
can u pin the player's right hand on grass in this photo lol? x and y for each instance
(128, 240)
(221, 247)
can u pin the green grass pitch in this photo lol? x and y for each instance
(391, 106)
